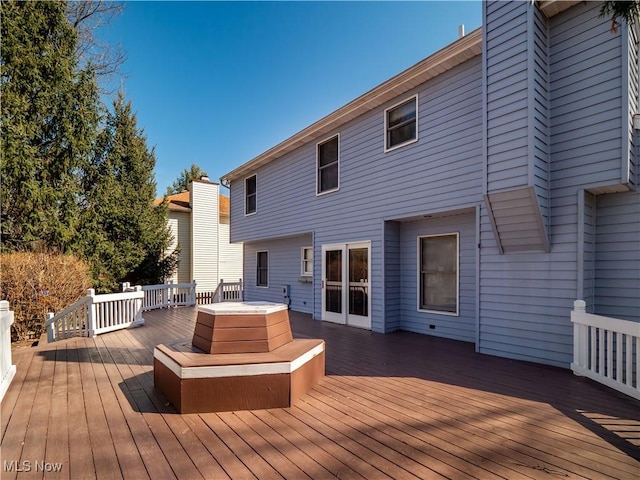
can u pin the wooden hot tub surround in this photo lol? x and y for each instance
(248, 327)
(242, 357)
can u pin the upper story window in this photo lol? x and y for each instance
(328, 165)
(438, 260)
(250, 195)
(401, 124)
(307, 261)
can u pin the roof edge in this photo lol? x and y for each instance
(455, 51)
(551, 8)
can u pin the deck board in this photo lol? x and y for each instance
(316, 461)
(276, 460)
(455, 441)
(102, 444)
(399, 405)
(34, 443)
(431, 448)
(16, 421)
(82, 465)
(57, 437)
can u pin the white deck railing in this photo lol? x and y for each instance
(73, 321)
(7, 370)
(606, 350)
(228, 292)
(95, 314)
(168, 295)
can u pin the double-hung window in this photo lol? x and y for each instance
(250, 195)
(307, 261)
(262, 269)
(328, 165)
(438, 260)
(401, 124)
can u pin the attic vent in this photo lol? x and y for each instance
(517, 222)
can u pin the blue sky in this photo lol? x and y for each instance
(217, 83)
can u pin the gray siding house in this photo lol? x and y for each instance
(473, 196)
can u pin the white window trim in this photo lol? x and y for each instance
(386, 121)
(268, 269)
(418, 263)
(317, 166)
(302, 272)
(245, 195)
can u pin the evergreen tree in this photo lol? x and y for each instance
(182, 182)
(627, 9)
(48, 122)
(124, 236)
(71, 179)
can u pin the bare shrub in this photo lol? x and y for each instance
(37, 283)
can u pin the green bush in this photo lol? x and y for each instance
(37, 283)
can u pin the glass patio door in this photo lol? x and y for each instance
(345, 284)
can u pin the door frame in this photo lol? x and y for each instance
(344, 317)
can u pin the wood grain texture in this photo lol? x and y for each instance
(400, 405)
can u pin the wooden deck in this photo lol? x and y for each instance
(392, 406)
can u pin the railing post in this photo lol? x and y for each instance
(50, 336)
(7, 370)
(194, 299)
(139, 302)
(169, 290)
(241, 290)
(92, 313)
(163, 294)
(580, 347)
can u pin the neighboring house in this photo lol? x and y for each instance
(199, 221)
(474, 196)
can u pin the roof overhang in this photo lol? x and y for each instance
(178, 208)
(445, 59)
(551, 8)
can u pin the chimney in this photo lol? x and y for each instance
(460, 31)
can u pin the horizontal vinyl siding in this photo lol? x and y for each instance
(589, 250)
(539, 133)
(633, 87)
(507, 95)
(392, 276)
(284, 269)
(585, 99)
(461, 327)
(617, 256)
(204, 241)
(230, 254)
(526, 298)
(439, 172)
(182, 238)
